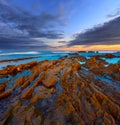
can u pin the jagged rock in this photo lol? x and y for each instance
(50, 79)
(13, 70)
(82, 59)
(42, 93)
(5, 94)
(28, 92)
(75, 66)
(61, 92)
(2, 87)
(109, 56)
(27, 114)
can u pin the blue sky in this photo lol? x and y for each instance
(52, 24)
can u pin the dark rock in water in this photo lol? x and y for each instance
(61, 92)
(109, 56)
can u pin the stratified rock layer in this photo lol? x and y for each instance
(61, 92)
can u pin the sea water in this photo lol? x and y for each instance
(38, 56)
(44, 55)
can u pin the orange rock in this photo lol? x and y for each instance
(42, 93)
(5, 94)
(2, 87)
(84, 99)
(50, 79)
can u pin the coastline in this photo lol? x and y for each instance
(70, 86)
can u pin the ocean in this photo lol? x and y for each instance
(45, 55)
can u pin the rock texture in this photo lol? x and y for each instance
(61, 92)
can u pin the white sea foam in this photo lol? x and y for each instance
(107, 51)
(19, 53)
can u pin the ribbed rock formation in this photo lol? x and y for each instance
(61, 92)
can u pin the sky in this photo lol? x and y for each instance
(60, 24)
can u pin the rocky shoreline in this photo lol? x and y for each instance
(61, 92)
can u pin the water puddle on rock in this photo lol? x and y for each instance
(109, 81)
(111, 60)
(12, 79)
(58, 85)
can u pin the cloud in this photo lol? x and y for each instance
(108, 33)
(114, 14)
(34, 25)
(63, 41)
(18, 27)
(66, 11)
(22, 43)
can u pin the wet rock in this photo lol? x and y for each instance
(5, 94)
(109, 56)
(50, 79)
(28, 92)
(84, 99)
(113, 71)
(75, 66)
(42, 93)
(19, 81)
(13, 70)
(27, 114)
(82, 59)
(3, 85)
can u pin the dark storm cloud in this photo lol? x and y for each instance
(18, 26)
(108, 33)
(34, 25)
(21, 43)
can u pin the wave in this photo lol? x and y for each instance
(19, 53)
(107, 51)
(61, 52)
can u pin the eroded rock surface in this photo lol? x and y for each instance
(61, 92)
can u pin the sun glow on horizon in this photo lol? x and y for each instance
(92, 48)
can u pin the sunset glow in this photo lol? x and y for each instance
(60, 25)
(92, 48)
(59, 62)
